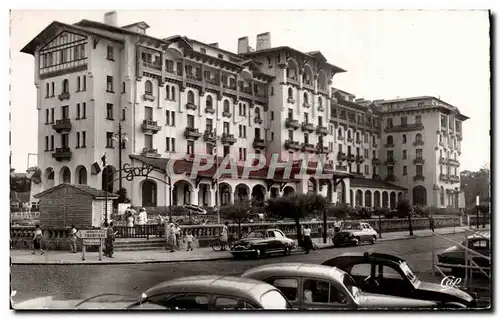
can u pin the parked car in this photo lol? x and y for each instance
(263, 242)
(311, 286)
(455, 255)
(188, 293)
(354, 233)
(390, 275)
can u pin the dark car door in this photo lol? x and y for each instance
(362, 273)
(392, 281)
(272, 242)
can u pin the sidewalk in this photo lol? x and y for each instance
(24, 257)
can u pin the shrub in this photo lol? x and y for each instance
(382, 212)
(421, 210)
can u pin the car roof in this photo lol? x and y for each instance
(356, 256)
(480, 235)
(295, 270)
(224, 285)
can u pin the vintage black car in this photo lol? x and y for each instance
(354, 233)
(188, 293)
(311, 286)
(390, 275)
(455, 255)
(263, 242)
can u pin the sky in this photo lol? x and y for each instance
(387, 54)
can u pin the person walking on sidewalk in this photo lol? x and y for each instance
(109, 241)
(73, 238)
(177, 232)
(431, 222)
(307, 239)
(223, 236)
(171, 237)
(37, 240)
(189, 240)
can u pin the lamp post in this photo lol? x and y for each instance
(477, 211)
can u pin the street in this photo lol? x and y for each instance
(64, 282)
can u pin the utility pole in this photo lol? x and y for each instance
(120, 156)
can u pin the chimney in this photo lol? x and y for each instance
(242, 45)
(216, 44)
(263, 41)
(110, 18)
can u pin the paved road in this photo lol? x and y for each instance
(81, 281)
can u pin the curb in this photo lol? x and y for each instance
(96, 262)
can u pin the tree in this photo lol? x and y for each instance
(340, 211)
(296, 207)
(122, 197)
(475, 183)
(237, 213)
(404, 210)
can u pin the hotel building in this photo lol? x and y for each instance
(105, 89)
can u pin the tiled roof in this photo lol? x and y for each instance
(373, 183)
(95, 193)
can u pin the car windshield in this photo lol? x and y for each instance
(408, 273)
(256, 234)
(351, 286)
(351, 226)
(273, 299)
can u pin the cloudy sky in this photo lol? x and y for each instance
(387, 54)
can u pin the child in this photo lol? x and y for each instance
(189, 240)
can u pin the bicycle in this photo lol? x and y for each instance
(217, 243)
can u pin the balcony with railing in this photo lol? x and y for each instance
(290, 100)
(321, 108)
(389, 145)
(376, 161)
(150, 152)
(308, 83)
(442, 160)
(453, 162)
(259, 143)
(454, 179)
(390, 178)
(374, 144)
(306, 105)
(322, 130)
(418, 160)
(209, 136)
(390, 161)
(191, 106)
(148, 96)
(192, 76)
(418, 143)
(209, 110)
(418, 178)
(291, 123)
(62, 154)
(350, 140)
(358, 141)
(307, 127)
(226, 114)
(444, 177)
(404, 128)
(228, 139)
(360, 159)
(293, 79)
(307, 147)
(321, 149)
(333, 120)
(150, 126)
(258, 120)
(64, 96)
(192, 133)
(351, 157)
(63, 125)
(292, 145)
(152, 65)
(213, 81)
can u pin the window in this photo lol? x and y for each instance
(170, 144)
(64, 55)
(221, 56)
(290, 93)
(272, 115)
(209, 101)
(404, 138)
(110, 55)
(289, 287)
(65, 112)
(78, 111)
(47, 116)
(225, 128)
(109, 111)
(390, 155)
(148, 87)
(124, 114)
(290, 114)
(109, 140)
(389, 123)
(242, 130)
(52, 120)
(419, 153)
(224, 303)
(46, 143)
(272, 91)
(148, 141)
(190, 147)
(84, 140)
(84, 84)
(52, 142)
(190, 97)
(52, 88)
(226, 106)
(418, 119)
(172, 93)
(65, 140)
(226, 150)
(183, 302)
(366, 153)
(420, 170)
(306, 117)
(47, 90)
(190, 121)
(109, 84)
(272, 136)
(306, 138)
(84, 110)
(65, 86)
(367, 170)
(404, 121)
(77, 139)
(388, 272)
(405, 154)
(318, 291)
(405, 170)
(209, 148)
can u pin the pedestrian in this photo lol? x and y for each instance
(37, 240)
(307, 239)
(431, 222)
(109, 241)
(130, 222)
(143, 217)
(172, 239)
(223, 237)
(189, 240)
(178, 237)
(73, 238)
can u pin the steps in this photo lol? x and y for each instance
(139, 244)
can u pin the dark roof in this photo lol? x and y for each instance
(141, 24)
(94, 192)
(373, 183)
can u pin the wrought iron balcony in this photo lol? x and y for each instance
(213, 81)
(291, 123)
(390, 161)
(358, 141)
(191, 106)
(228, 139)
(390, 178)
(418, 160)
(453, 162)
(209, 136)
(442, 160)
(454, 178)
(150, 152)
(148, 96)
(419, 178)
(226, 114)
(350, 140)
(341, 168)
(404, 128)
(351, 157)
(341, 156)
(150, 126)
(307, 127)
(192, 133)
(307, 147)
(333, 120)
(376, 161)
(359, 159)
(64, 96)
(62, 154)
(418, 143)
(257, 120)
(444, 177)
(63, 125)
(389, 145)
(259, 143)
(209, 110)
(321, 149)
(154, 66)
(289, 144)
(321, 108)
(306, 105)
(291, 100)
(375, 145)
(322, 130)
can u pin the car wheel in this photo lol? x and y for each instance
(287, 251)
(374, 238)
(356, 241)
